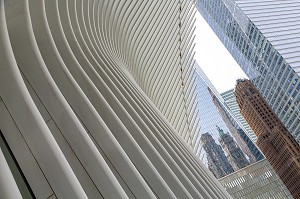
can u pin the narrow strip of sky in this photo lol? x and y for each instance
(214, 59)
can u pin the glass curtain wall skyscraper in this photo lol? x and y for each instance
(230, 101)
(208, 112)
(214, 116)
(238, 130)
(263, 37)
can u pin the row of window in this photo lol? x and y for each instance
(276, 74)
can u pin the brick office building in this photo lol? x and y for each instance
(276, 143)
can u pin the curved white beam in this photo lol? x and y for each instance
(29, 120)
(8, 186)
(111, 98)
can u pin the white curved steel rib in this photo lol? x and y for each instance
(111, 118)
(102, 92)
(29, 120)
(130, 125)
(61, 114)
(8, 187)
(57, 73)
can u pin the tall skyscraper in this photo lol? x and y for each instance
(264, 38)
(209, 115)
(235, 155)
(218, 163)
(210, 108)
(230, 101)
(256, 181)
(98, 100)
(277, 144)
(213, 112)
(238, 132)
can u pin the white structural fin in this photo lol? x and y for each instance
(97, 100)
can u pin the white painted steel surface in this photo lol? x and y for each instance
(98, 99)
(8, 186)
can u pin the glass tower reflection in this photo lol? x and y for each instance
(212, 115)
(265, 43)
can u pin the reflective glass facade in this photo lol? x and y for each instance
(230, 101)
(238, 131)
(209, 115)
(265, 43)
(214, 114)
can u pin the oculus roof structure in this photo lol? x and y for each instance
(96, 100)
